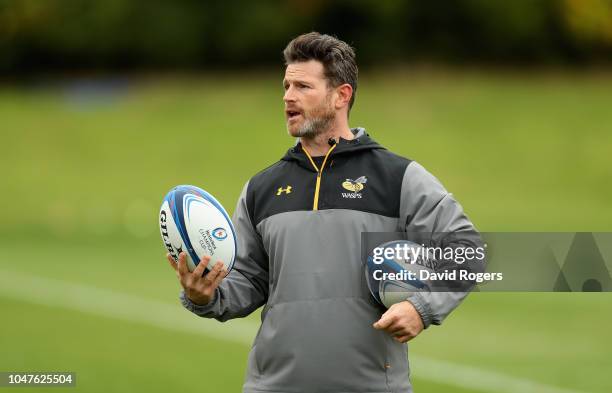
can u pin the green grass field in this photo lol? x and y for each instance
(84, 285)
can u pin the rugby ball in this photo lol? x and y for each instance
(192, 220)
(394, 278)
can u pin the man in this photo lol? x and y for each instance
(299, 224)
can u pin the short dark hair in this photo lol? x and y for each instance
(337, 57)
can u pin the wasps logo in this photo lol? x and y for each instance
(355, 186)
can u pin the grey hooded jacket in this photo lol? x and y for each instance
(299, 224)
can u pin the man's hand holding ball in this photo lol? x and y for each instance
(199, 288)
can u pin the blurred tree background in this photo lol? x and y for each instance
(192, 34)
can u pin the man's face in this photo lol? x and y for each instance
(308, 100)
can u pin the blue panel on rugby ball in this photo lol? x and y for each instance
(193, 221)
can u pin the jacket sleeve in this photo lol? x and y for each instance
(431, 213)
(245, 288)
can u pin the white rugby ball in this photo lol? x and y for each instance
(192, 220)
(388, 291)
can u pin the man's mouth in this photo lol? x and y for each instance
(293, 115)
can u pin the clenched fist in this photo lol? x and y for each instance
(402, 321)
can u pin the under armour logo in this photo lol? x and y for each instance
(286, 190)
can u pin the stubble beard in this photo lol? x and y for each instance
(316, 122)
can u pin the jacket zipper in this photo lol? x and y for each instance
(315, 204)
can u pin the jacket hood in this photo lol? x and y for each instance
(361, 142)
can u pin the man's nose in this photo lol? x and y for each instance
(289, 96)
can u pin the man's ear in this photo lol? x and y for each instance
(344, 93)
